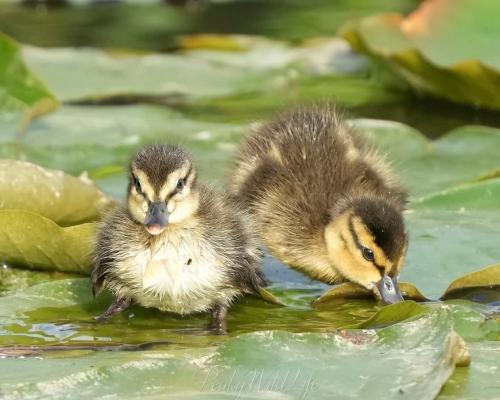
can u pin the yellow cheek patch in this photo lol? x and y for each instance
(137, 207)
(366, 239)
(345, 255)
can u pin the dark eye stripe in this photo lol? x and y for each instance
(185, 179)
(137, 184)
(358, 243)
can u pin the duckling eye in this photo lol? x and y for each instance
(137, 184)
(180, 184)
(368, 254)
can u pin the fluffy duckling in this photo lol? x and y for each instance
(178, 246)
(323, 201)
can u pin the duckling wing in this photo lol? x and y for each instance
(228, 229)
(115, 240)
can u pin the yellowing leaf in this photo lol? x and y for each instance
(488, 277)
(33, 241)
(352, 291)
(53, 194)
(447, 48)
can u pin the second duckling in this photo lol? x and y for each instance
(323, 201)
(178, 246)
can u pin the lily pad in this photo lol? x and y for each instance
(33, 241)
(17, 279)
(64, 199)
(101, 140)
(419, 357)
(446, 48)
(392, 314)
(479, 380)
(352, 291)
(138, 76)
(488, 277)
(482, 195)
(431, 166)
(22, 94)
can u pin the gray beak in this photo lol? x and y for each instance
(389, 289)
(156, 217)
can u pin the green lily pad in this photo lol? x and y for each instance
(392, 314)
(346, 90)
(428, 167)
(22, 95)
(481, 195)
(479, 380)
(64, 199)
(350, 290)
(487, 278)
(139, 76)
(474, 321)
(446, 48)
(451, 233)
(32, 241)
(418, 357)
(96, 137)
(484, 278)
(17, 279)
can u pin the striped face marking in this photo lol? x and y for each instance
(354, 253)
(176, 192)
(367, 247)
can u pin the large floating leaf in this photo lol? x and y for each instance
(39, 313)
(16, 279)
(446, 48)
(93, 138)
(418, 355)
(482, 195)
(53, 194)
(424, 166)
(487, 277)
(346, 90)
(392, 314)
(139, 76)
(451, 233)
(479, 379)
(22, 95)
(352, 291)
(30, 240)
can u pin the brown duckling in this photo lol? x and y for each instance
(323, 200)
(178, 246)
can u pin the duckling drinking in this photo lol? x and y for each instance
(178, 246)
(323, 200)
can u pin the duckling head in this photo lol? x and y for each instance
(162, 187)
(366, 243)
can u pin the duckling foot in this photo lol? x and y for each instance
(116, 307)
(218, 324)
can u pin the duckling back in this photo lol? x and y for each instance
(294, 172)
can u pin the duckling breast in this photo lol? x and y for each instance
(181, 273)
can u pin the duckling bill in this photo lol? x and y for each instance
(323, 201)
(177, 246)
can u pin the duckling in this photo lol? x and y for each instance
(177, 246)
(323, 200)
